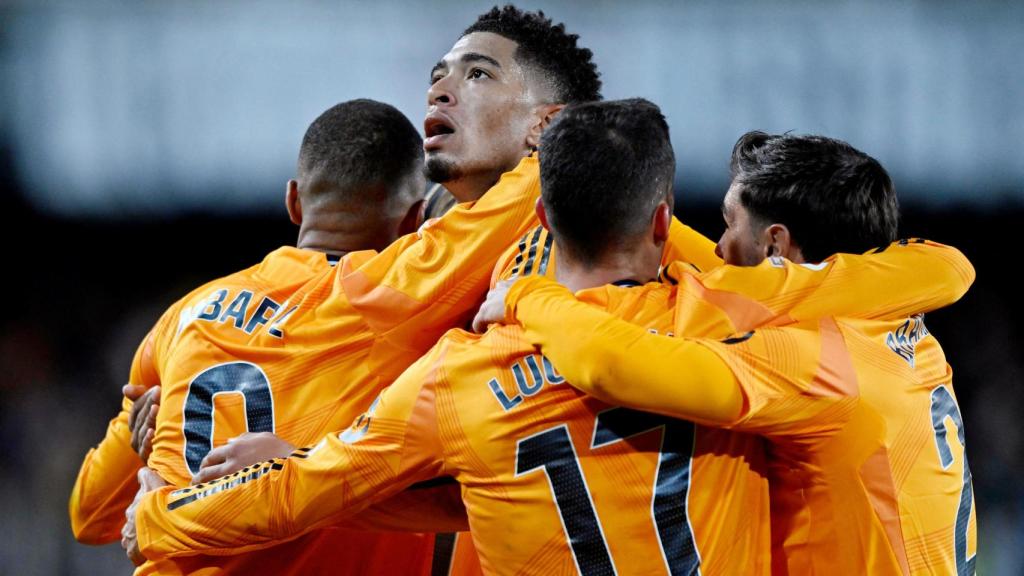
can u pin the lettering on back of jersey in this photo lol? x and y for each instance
(240, 310)
(530, 374)
(903, 341)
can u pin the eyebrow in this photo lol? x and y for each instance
(466, 58)
(477, 57)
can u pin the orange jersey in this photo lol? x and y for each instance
(553, 481)
(878, 485)
(888, 493)
(534, 254)
(295, 347)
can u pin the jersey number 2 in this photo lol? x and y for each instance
(230, 378)
(553, 451)
(944, 406)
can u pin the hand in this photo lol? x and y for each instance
(148, 481)
(142, 419)
(492, 311)
(247, 449)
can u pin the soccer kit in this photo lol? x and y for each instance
(553, 481)
(876, 484)
(384, 451)
(298, 348)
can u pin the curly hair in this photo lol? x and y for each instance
(545, 47)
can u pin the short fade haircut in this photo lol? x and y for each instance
(359, 145)
(831, 196)
(604, 167)
(546, 48)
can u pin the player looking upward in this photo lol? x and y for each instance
(548, 485)
(487, 105)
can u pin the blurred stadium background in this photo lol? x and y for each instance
(144, 148)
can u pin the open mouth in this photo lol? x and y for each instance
(436, 129)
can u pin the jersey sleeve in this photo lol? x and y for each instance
(905, 278)
(687, 245)
(532, 255)
(783, 381)
(796, 381)
(425, 283)
(106, 482)
(622, 363)
(390, 447)
(436, 507)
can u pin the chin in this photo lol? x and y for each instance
(441, 170)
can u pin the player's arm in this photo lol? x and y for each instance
(425, 283)
(687, 245)
(105, 484)
(106, 481)
(424, 507)
(738, 383)
(432, 506)
(622, 363)
(905, 278)
(391, 447)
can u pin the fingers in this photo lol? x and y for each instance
(492, 311)
(145, 424)
(134, 554)
(216, 456)
(147, 444)
(480, 321)
(132, 391)
(217, 463)
(149, 480)
(239, 452)
(142, 421)
(208, 473)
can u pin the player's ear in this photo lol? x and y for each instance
(293, 203)
(542, 214)
(778, 241)
(661, 221)
(544, 115)
(413, 218)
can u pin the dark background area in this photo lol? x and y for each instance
(144, 147)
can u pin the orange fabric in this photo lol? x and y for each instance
(860, 412)
(299, 348)
(469, 409)
(535, 253)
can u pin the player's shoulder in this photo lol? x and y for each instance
(631, 300)
(498, 344)
(532, 255)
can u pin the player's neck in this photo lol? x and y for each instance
(577, 276)
(332, 242)
(471, 187)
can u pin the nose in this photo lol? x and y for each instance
(440, 92)
(718, 248)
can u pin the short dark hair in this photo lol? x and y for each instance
(604, 166)
(831, 196)
(360, 144)
(546, 48)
